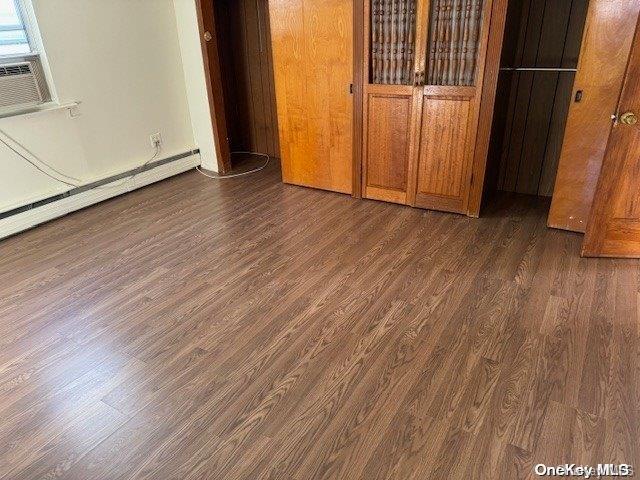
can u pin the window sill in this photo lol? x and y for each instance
(45, 107)
(17, 57)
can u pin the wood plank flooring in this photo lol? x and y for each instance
(245, 329)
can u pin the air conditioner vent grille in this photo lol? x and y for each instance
(10, 70)
(19, 86)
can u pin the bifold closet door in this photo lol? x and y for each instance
(312, 44)
(390, 38)
(451, 69)
(421, 103)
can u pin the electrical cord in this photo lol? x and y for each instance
(35, 165)
(158, 147)
(16, 142)
(223, 177)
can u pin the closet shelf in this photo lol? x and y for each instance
(537, 69)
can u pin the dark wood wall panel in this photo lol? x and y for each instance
(247, 69)
(531, 114)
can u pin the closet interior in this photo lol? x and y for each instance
(244, 51)
(435, 104)
(538, 66)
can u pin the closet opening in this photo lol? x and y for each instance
(538, 66)
(245, 71)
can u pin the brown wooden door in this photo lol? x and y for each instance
(613, 229)
(312, 44)
(603, 58)
(425, 62)
(388, 98)
(451, 67)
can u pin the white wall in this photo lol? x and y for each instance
(189, 35)
(122, 60)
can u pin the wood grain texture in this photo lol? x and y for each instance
(388, 137)
(444, 147)
(312, 45)
(388, 129)
(213, 79)
(614, 223)
(282, 332)
(482, 161)
(419, 143)
(360, 78)
(601, 68)
(448, 115)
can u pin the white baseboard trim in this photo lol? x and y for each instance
(97, 192)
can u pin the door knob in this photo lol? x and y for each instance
(207, 36)
(628, 118)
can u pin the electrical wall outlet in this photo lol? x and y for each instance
(156, 140)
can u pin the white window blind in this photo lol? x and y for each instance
(14, 39)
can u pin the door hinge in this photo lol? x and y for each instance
(351, 88)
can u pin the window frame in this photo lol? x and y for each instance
(26, 27)
(36, 57)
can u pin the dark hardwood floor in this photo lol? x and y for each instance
(247, 329)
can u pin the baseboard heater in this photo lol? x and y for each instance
(28, 216)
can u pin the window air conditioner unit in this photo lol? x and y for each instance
(20, 85)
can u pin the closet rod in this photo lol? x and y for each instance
(537, 69)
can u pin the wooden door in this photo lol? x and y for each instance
(312, 44)
(213, 77)
(605, 49)
(613, 229)
(451, 68)
(425, 62)
(388, 98)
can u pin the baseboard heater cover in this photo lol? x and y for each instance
(28, 216)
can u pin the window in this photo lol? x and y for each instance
(14, 39)
(23, 78)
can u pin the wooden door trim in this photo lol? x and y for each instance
(419, 66)
(213, 80)
(487, 105)
(359, 74)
